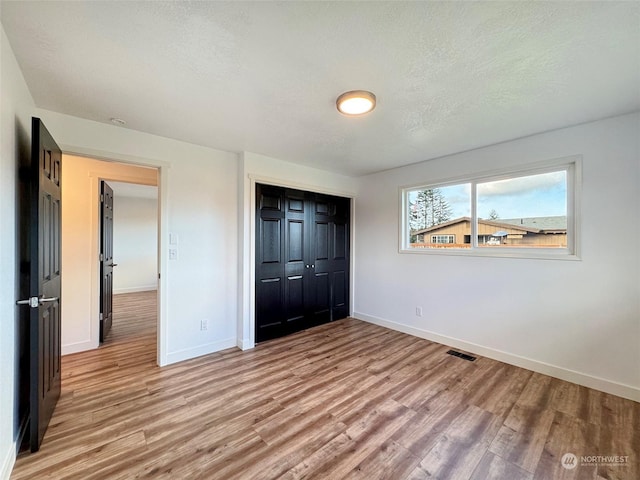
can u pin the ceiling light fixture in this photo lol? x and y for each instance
(356, 102)
(117, 121)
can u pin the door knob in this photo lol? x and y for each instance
(112, 265)
(34, 302)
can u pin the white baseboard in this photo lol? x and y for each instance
(207, 348)
(78, 347)
(143, 288)
(597, 383)
(8, 461)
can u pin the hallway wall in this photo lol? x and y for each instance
(135, 244)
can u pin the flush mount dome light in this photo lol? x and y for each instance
(356, 102)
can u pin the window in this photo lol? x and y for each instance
(528, 212)
(430, 210)
(443, 239)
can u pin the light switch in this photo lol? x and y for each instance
(173, 239)
(173, 254)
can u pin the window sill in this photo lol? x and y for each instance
(526, 253)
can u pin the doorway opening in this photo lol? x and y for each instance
(129, 262)
(81, 218)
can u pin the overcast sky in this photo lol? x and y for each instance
(543, 195)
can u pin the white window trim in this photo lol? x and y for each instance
(573, 166)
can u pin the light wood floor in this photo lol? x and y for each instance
(344, 400)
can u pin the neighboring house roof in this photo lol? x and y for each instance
(558, 223)
(529, 224)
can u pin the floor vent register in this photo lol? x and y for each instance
(464, 356)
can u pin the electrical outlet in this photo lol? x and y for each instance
(204, 324)
(418, 311)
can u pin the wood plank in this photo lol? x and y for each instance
(497, 388)
(96, 459)
(459, 449)
(345, 452)
(492, 467)
(619, 436)
(427, 427)
(568, 435)
(390, 460)
(522, 437)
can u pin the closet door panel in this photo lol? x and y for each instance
(270, 254)
(270, 303)
(321, 307)
(296, 239)
(321, 237)
(340, 242)
(295, 302)
(271, 240)
(339, 303)
(340, 261)
(302, 260)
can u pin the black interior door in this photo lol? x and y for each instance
(302, 260)
(45, 238)
(106, 259)
(295, 261)
(329, 256)
(318, 254)
(270, 221)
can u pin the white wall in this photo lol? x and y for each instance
(254, 168)
(578, 320)
(135, 244)
(198, 202)
(204, 282)
(81, 243)
(16, 107)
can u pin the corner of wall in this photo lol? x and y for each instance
(245, 344)
(77, 347)
(8, 461)
(200, 350)
(16, 109)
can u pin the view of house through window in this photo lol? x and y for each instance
(528, 211)
(511, 211)
(432, 210)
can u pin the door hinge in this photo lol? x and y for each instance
(101, 316)
(101, 257)
(102, 198)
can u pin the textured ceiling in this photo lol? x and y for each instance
(263, 77)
